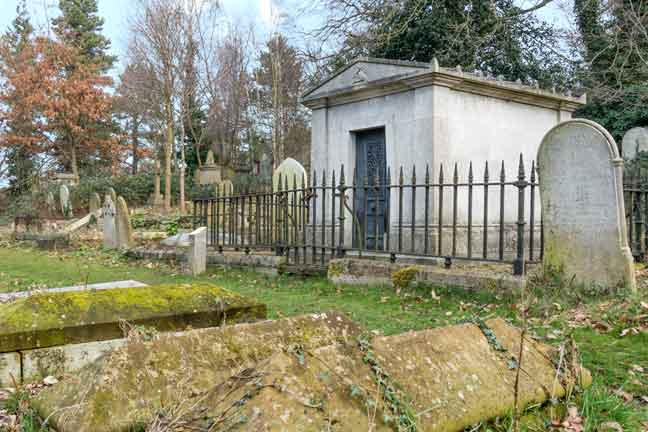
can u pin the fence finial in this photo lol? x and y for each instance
(486, 172)
(342, 175)
(455, 176)
(533, 172)
(502, 173)
(441, 173)
(400, 176)
(414, 174)
(427, 174)
(521, 172)
(470, 173)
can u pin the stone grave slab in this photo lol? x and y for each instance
(6, 297)
(581, 189)
(304, 373)
(60, 318)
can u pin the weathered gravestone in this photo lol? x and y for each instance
(581, 190)
(210, 173)
(197, 254)
(109, 213)
(634, 141)
(66, 204)
(95, 203)
(291, 174)
(123, 224)
(113, 194)
(50, 202)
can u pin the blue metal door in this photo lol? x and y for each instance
(370, 201)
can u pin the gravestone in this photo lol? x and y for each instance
(581, 190)
(95, 202)
(634, 141)
(123, 224)
(50, 202)
(289, 170)
(113, 195)
(197, 254)
(66, 204)
(109, 213)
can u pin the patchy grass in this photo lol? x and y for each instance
(610, 331)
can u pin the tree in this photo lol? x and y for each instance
(48, 84)
(280, 81)
(19, 160)
(614, 47)
(157, 42)
(495, 36)
(80, 26)
(133, 106)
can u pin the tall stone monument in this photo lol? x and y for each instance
(581, 190)
(109, 213)
(210, 173)
(634, 141)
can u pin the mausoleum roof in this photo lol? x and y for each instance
(366, 77)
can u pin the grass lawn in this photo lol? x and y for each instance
(619, 363)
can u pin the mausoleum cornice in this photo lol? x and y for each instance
(433, 75)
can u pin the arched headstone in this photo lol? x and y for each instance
(66, 204)
(95, 202)
(634, 141)
(290, 171)
(123, 224)
(581, 191)
(109, 214)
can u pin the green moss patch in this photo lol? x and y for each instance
(52, 319)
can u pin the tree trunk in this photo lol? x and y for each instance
(183, 164)
(135, 146)
(73, 162)
(168, 154)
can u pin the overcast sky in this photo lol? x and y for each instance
(261, 13)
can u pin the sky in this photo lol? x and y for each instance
(116, 12)
(261, 13)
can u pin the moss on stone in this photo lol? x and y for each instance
(51, 319)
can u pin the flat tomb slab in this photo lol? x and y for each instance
(60, 318)
(304, 374)
(98, 286)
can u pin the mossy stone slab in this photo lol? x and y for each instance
(52, 319)
(302, 374)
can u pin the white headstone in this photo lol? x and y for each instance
(197, 254)
(634, 141)
(109, 213)
(66, 204)
(289, 171)
(581, 190)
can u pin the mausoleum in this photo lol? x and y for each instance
(377, 113)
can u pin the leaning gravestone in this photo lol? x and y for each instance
(109, 213)
(66, 204)
(634, 141)
(95, 203)
(123, 224)
(289, 171)
(113, 195)
(581, 190)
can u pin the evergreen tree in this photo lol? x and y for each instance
(21, 163)
(614, 71)
(495, 36)
(80, 26)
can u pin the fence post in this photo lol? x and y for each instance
(342, 190)
(518, 264)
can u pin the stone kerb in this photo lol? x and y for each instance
(581, 190)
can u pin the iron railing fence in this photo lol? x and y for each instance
(493, 219)
(635, 195)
